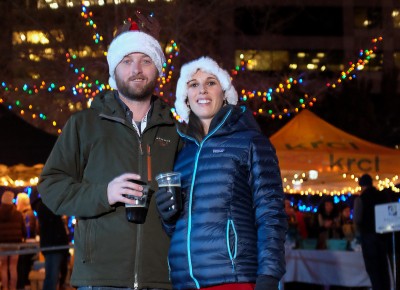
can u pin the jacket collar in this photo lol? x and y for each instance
(229, 119)
(110, 106)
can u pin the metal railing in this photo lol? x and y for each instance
(28, 248)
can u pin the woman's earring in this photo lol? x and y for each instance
(187, 103)
(225, 102)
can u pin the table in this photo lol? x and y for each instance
(326, 267)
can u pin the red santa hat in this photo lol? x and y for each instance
(129, 42)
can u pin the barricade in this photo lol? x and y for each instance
(37, 273)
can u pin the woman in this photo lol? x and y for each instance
(12, 231)
(25, 261)
(23, 204)
(231, 232)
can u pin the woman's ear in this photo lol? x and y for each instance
(187, 102)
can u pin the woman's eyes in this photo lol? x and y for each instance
(210, 83)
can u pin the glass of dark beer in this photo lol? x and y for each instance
(137, 212)
(172, 181)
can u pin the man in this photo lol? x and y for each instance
(373, 245)
(127, 134)
(52, 231)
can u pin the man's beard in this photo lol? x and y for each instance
(136, 93)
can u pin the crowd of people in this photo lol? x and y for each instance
(330, 221)
(232, 228)
(24, 220)
(337, 221)
(353, 225)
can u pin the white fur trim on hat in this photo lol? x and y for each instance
(130, 42)
(208, 65)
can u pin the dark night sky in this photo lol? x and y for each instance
(21, 142)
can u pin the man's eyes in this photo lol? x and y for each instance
(143, 61)
(147, 61)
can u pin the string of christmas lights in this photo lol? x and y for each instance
(363, 60)
(84, 87)
(88, 16)
(305, 100)
(88, 89)
(296, 183)
(172, 50)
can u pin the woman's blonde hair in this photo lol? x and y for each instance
(23, 201)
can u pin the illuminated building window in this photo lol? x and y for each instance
(262, 60)
(36, 37)
(375, 62)
(265, 60)
(396, 18)
(317, 60)
(50, 53)
(87, 51)
(55, 4)
(367, 17)
(396, 57)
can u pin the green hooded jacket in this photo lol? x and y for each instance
(95, 146)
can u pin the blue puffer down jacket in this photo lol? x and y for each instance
(233, 225)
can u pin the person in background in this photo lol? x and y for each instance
(292, 236)
(52, 234)
(12, 231)
(25, 261)
(373, 245)
(128, 134)
(328, 222)
(297, 228)
(301, 223)
(231, 232)
(347, 227)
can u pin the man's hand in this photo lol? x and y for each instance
(120, 186)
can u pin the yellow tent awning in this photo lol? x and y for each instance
(309, 143)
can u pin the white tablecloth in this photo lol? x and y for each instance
(325, 267)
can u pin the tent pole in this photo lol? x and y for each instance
(394, 259)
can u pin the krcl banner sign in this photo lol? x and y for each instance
(337, 156)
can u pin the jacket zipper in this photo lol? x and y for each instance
(141, 171)
(137, 251)
(189, 231)
(139, 226)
